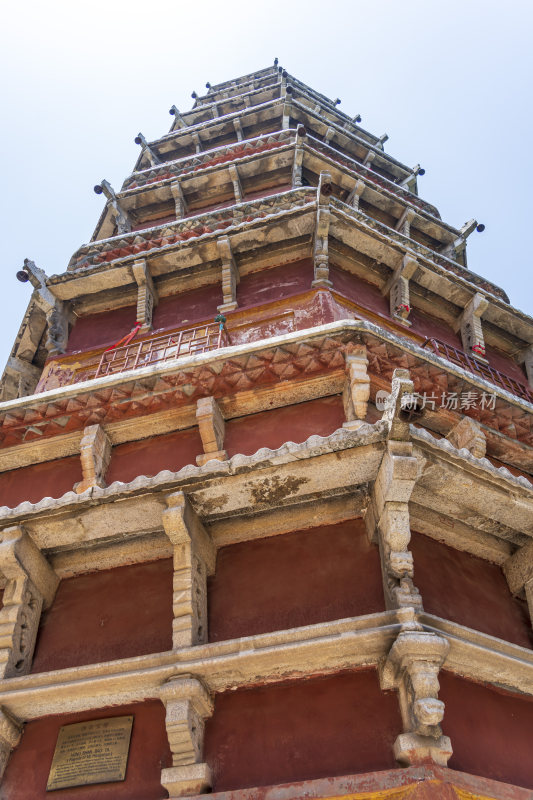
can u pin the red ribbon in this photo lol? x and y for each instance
(125, 339)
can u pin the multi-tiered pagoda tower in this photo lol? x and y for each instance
(265, 451)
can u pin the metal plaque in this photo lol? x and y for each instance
(91, 752)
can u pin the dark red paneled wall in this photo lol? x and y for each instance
(293, 423)
(101, 330)
(275, 284)
(294, 579)
(26, 774)
(149, 456)
(468, 590)
(295, 731)
(106, 615)
(49, 479)
(491, 730)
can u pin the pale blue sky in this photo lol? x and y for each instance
(450, 82)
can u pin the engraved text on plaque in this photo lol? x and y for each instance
(91, 752)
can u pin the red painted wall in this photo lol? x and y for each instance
(468, 590)
(106, 615)
(194, 306)
(275, 284)
(307, 729)
(294, 579)
(491, 730)
(101, 330)
(288, 424)
(27, 771)
(149, 456)
(49, 479)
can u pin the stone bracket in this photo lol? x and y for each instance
(57, 312)
(298, 156)
(188, 703)
(211, 424)
(404, 223)
(356, 194)
(236, 181)
(397, 287)
(356, 388)
(527, 358)
(230, 275)
(238, 129)
(146, 149)
(470, 326)
(469, 435)
(518, 569)
(180, 202)
(31, 584)
(320, 245)
(147, 297)
(10, 733)
(412, 667)
(95, 455)
(118, 212)
(194, 560)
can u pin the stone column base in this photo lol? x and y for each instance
(187, 780)
(412, 749)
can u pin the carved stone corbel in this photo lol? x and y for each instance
(320, 246)
(471, 328)
(412, 667)
(10, 732)
(230, 275)
(468, 434)
(95, 455)
(404, 223)
(153, 158)
(57, 312)
(397, 287)
(387, 515)
(211, 425)
(180, 203)
(118, 212)
(356, 388)
(527, 357)
(236, 181)
(31, 585)
(356, 194)
(147, 297)
(298, 156)
(194, 560)
(518, 569)
(197, 142)
(188, 704)
(238, 129)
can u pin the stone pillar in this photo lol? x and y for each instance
(31, 585)
(387, 515)
(10, 732)
(95, 455)
(211, 424)
(236, 181)
(356, 388)
(194, 560)
(320, 246)
(412, 667)
(188, 704)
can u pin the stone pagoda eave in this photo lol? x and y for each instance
(354, 228)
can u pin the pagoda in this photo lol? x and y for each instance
(266, 511)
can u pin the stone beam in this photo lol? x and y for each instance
(321, 246)
(211, 424)
(230, 275)
(31, 585)
(194, 560)
(147, 296)
(188, 703)
(95, 455)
